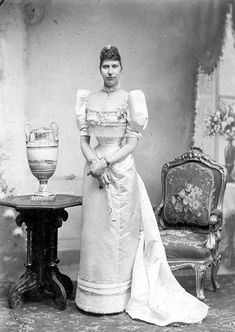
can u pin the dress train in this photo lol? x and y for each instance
(156, 296)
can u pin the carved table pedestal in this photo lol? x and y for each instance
(42, 218)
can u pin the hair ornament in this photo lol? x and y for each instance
(109, 52)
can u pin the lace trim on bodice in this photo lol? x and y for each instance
(117, 117)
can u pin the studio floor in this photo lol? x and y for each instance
(42, 316)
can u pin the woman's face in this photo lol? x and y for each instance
(110, 71)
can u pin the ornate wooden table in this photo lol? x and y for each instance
(42, 218)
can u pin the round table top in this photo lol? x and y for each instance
(60, 201)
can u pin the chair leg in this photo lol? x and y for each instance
(214, 270)
(200, 271)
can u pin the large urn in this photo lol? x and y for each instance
(42, 151)
(229, 156)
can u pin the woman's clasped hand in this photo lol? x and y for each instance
(98, 169)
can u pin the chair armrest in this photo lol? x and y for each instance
(215, 217)
(214, 229)
(211, 241)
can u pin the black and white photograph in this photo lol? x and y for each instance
(117, 175)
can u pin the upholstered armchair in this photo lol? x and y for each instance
(190, 214)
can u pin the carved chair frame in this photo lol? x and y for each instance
(215, 222)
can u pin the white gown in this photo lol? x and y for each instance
(156, 296)
(123, 264)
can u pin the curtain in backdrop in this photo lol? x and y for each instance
(208, 23)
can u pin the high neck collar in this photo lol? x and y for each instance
(112, 89)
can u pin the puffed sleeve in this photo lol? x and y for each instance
(137, 114)
(80, 111)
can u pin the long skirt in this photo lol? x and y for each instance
(123, 264)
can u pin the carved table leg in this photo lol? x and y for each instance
(60, 216)
(54, 286)
(27, 283)
(65, 281)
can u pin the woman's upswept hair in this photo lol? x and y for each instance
(110, 53)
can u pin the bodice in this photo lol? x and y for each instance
(111, 116)
(106, 114)
(107, 124)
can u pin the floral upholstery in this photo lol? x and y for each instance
(188, 194)
(185, 243)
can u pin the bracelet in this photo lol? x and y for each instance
(108, 163)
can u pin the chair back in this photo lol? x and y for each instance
(192, 185)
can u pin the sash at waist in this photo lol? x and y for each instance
(106, 147)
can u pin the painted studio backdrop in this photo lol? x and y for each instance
(49, 49)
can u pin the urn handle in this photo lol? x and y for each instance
(55, 129)
(27, 130)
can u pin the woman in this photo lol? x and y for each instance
(122, 263)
